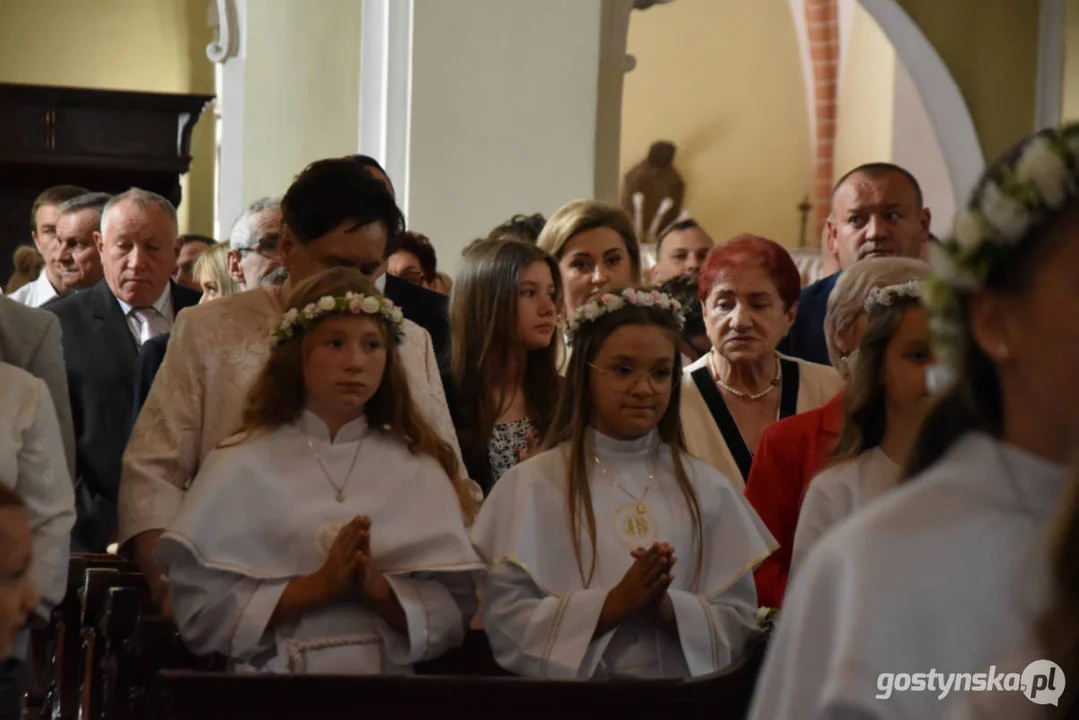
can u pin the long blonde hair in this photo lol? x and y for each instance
(573, 420)
(278, 396)
(215, 265)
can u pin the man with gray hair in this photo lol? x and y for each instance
(253, 259)
(102, 330)
(76, 228)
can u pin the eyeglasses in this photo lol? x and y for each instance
(625, 378)
(266, 247)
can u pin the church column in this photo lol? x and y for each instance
(289, 90)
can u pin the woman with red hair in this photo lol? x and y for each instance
(749, 292)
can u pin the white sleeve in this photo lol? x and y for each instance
(535, 634)
(438, 610)
(46, 488)
(823, 508)
(714, 630)
(219, 611)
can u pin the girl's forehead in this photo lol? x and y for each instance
(642, 342)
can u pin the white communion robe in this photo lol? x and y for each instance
(836, 493)
(541, 618)
(945, 573)
(263, 513)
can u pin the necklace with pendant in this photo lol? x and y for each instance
(633, 524)
(739, 393)
(339, 491)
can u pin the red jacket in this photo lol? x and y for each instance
(791, 452)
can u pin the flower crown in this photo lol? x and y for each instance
(609, 302)
(1014, 197)
(888, 294)
(296, 322)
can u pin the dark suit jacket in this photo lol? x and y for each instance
(100, 353)
(151, 355)
(806, 337)
(427, 308)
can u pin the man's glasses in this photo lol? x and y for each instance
(626, 378)
(266, 247)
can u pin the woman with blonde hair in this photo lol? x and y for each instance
(212, 274)
(596, 249)
(328, 536)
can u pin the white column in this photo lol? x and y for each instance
(1050, 90)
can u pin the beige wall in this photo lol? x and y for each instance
(301, 87)
(723, 80)
(504, 114)
(991, 49)
(866, 96)
(149, 45)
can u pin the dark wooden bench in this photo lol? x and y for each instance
(186, 695)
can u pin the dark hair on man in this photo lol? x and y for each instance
(87, 201)
(56, 195)
(519, 227)
(685, 289)
(876, 170)
(369, 163)
(420, 246)
(194, 238)
(687, 224)
(331, 192)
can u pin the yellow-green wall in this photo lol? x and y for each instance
(723, 80)
(1070, 104)
(991, 49)
(148, 45)
(866, 97)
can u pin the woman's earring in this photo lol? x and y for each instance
(1002, 352)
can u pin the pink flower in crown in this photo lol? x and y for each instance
(606, 298)
(310, 310)
(631, 295)
(355, 305)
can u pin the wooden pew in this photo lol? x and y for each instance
(185, 695)
(98, 595)
(63, 670)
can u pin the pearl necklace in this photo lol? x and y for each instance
(738, 393)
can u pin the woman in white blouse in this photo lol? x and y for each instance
(32, 464)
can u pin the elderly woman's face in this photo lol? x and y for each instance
(745, 316)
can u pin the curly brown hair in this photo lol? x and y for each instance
(278, 395)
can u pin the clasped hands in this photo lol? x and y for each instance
(349, 570)
(644, 587)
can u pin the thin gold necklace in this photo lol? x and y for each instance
(641, 508)
(339, 491)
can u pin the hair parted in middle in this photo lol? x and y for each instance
(573, 421)
(581, 216)
(278, 395)
(485, 340)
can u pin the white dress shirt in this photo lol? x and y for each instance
(137, 323)
(36, 293)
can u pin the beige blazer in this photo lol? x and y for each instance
(816, 386)
(197, 398)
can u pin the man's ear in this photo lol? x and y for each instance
(236, 270)
(99, 243)
(832, 241)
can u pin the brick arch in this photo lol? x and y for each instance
(822, 27)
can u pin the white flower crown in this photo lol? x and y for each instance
(296, 322)
(1011, 199)
(609, 302)
(888, 294)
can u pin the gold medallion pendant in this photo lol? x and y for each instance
(635, 526)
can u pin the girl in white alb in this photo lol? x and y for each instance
(328, 536)
(882, 407)
(582, 540)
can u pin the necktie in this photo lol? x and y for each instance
(151, 323)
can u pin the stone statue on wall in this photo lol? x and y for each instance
(653, 191)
